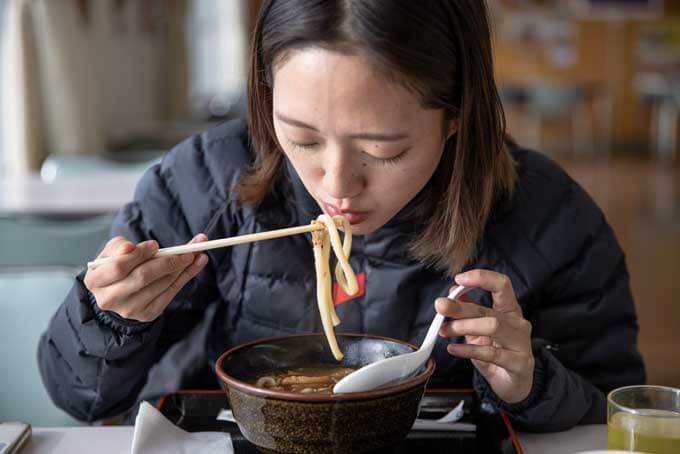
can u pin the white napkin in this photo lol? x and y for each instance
(155, 434)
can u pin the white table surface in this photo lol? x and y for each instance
(118, 440)
(578, 439)
(69, 197)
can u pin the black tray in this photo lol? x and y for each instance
(196, 411)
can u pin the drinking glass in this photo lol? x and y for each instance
(644, 418)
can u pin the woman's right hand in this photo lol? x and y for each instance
(137, 286)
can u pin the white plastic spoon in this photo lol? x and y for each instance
(396, 368)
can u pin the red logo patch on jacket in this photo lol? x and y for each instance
(339, 295)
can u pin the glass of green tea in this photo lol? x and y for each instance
(644, 419)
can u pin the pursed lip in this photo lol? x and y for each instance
(353, 216)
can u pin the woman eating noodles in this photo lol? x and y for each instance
(386, 113)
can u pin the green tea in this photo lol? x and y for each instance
(651, 431)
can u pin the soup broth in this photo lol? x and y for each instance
(304, 380)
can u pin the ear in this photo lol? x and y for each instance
(453, 128)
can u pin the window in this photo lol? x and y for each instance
(218, 48)
(2, 45)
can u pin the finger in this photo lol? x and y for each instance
(118, 245)
(120, 298)
(200, 238)
(483, 367)
(158, 305)
(122, 264)
(464, 297)
(134, 306)
(504, 330)
(457, 309)
(480, 326)
(149, 272)
(511, 361)
(499, 285)
(478, 340)
(146, 295)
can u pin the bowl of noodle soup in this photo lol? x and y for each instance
(280, 392)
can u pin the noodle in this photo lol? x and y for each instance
(318, 379)
(322, 240)
(266, 382)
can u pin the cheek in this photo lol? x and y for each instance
(308, 168)
(407, 178)
(305, 168)
(394, 187)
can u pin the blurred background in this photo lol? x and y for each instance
(92, 92)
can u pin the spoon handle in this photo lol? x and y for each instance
(432, 332)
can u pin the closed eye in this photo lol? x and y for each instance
(303, 146)
(391, 160)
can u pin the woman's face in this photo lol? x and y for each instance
(363, 146)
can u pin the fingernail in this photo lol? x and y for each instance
(462, 279)
(202, 260)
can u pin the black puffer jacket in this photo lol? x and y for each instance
(566, 267)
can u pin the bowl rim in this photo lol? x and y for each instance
(244, 387)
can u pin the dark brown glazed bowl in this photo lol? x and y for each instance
(284, 422)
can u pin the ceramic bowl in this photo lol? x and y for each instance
(285, 422)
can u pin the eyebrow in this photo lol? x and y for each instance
(378, 137)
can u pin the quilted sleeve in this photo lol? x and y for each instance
(94, 363)
(584, 321)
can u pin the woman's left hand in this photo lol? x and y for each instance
(497, 340)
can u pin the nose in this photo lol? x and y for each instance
(342, 178)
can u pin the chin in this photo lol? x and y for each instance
(365, 228)
(357, 230)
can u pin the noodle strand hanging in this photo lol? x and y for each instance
(323, 240)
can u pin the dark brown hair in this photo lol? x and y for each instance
(440, 49)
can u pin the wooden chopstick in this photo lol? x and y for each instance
(223, 242)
